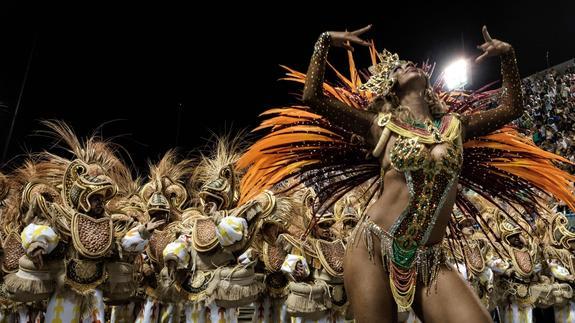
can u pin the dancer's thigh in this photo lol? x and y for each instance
(367, 286)
(449, 299)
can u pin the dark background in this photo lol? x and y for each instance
(215, 66)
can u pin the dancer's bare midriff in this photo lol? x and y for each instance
(395, 197)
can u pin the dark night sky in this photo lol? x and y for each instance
(221, 62)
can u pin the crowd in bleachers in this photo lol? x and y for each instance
(549, 116)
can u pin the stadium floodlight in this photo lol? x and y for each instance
(455, 74)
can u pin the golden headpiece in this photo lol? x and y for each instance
(507, 226)
(560, 233)
(462, 221)
(326, 218)
(346, 208)
(82, 181)
(381, 80)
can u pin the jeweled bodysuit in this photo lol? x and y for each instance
(430, 177)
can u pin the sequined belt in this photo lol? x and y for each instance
(424, 268)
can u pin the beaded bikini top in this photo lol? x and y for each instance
(410, 152)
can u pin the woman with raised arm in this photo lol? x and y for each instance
(420, 149)
(416, 148)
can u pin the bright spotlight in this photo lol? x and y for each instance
(455, 74)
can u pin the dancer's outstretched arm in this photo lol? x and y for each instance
(335, 111)
(511, 104)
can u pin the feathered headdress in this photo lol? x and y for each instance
(167, 180)
(381, 79)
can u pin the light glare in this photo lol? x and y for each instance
(455, 74)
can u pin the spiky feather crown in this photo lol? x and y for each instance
(381, 80)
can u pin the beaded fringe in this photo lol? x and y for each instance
(426, 265)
